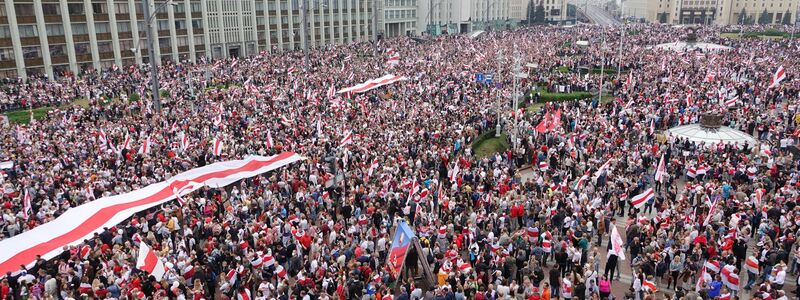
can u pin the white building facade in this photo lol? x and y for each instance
(462, 16)
(58, 37)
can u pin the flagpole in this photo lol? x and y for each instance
(602, 63)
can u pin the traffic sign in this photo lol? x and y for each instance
(489, 79)
(479, 77)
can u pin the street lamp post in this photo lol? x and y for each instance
(151, 53)
(602, 62)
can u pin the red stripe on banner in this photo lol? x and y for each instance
(103, 215)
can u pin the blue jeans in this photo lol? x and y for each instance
(751, 279)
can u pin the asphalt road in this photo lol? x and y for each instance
(599, 16)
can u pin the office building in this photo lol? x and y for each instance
(462, 16)
(52, 37)
(398, 17)
(720, 12)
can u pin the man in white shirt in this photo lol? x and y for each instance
(778, 276)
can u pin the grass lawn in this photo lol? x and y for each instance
(563, 69)
(761, 35)
(490, 145)
(24, 117)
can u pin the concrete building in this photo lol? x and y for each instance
(721, 12)
(51, 37)
(461, 16)
(554, 10)
(519, 9)
(398, 17)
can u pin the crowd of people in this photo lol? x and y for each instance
(534, 221)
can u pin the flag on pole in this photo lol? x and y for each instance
(346, 139)
(26, 202)
(616, 244)
(372, 167)
(269, 142)
(216, 145)
(661, 170)
(145, 148)
(640, 200)
(148, 261)
(331, 91)
(779, 76)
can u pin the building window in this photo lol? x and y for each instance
(6, 54)
(28, 31)
(102, 27)
(197, 23)
(180, 8)
(54, 29)
(50, 9)
(104, 47)
(75, 8)
(81, 48)
(121, 8)
(196, 8)
(182, 41)
(124, 26)
(3, 11)
(125, 45)
(58, 50)
(31, 52)
(99, 8)
(163, 25)
(24, 10)
(180, 24)
(198, 40)
(79, 28)
(5, 32)
(164, 43)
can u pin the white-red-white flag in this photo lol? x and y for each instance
(779, 76)
(269, 142)
(148, 261)
(640, 200)
(26, 202)
(145, 148)
(616, 244)
(346, 139)
(216, 146)
(332, 91)
(661, 170)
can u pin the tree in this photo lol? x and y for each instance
(742, 17)
(530, 14)
(572, 11)
(787, 18)
(538, 15)
(764, 18)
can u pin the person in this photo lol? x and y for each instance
(604, 286)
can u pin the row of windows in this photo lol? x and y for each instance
(393, 3)
(401, 14)
(31, 30)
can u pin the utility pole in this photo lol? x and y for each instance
(518, 74)
(304, 16)
(375, 20)
(497, 81)
(621, 37)
(152, 57)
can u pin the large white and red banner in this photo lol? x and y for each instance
(372, 84)
(82, 222)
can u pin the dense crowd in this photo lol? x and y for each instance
(531, 222)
